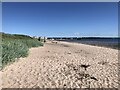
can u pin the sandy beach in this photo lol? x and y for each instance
(64, 65)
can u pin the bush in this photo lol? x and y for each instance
(12, 50)
(32, 43)
(16, 48)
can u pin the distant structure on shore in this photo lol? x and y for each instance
(41, 38)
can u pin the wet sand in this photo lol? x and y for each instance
(64, 65)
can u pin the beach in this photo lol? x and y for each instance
(64, 65)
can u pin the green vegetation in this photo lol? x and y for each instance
(15, 36)
(15, 46)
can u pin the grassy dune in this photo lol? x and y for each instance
(16, 46)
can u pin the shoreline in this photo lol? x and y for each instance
(112, 46)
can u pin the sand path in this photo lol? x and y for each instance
(60, 66)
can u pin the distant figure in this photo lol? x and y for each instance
(39, 39)
(44, 39)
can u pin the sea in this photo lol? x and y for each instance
(108, 42)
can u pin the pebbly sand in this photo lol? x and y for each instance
(64, 65)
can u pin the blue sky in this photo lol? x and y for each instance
(60, 18)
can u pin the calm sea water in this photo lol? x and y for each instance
(105, 41)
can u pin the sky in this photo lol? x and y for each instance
(61, 19)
